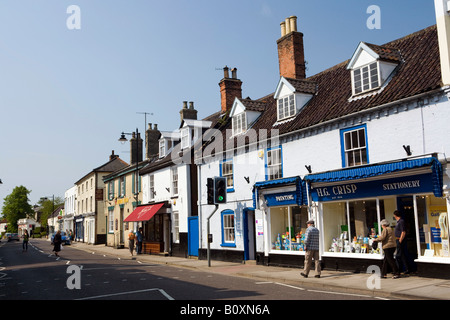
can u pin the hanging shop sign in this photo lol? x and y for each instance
(377, 188)
(281, 199)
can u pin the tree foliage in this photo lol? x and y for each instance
(16, 206)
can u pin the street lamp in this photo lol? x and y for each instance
(122, 140)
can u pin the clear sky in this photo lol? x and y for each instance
(67, 94)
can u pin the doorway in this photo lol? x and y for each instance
(249, 235)
(405, 205)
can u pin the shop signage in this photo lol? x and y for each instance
(376, 188)
(281, 199)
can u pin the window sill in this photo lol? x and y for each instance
(228, 245)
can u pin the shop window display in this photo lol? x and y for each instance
(433, 226)
(288, 226)
(351, 226)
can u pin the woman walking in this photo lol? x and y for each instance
(387, 239)
(57, 243)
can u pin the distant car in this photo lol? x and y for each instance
(65, 238)
(12, 236)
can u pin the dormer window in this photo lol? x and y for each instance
(185, 138)
(372, 66)
(366, 78)
(239, 123)
(244, 113)
(292, 95)
(286, 107)
(162, 148)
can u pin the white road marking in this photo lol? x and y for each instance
(129, 292)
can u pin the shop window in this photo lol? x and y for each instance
(354, 146)
(288, 226)
(350, 227)
(176, 227)
(433, 226)
(228, 235)
(274, 164)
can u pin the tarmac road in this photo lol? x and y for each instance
(81, 275)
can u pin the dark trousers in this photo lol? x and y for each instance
(389, 261)
(402, 257)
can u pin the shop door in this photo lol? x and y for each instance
(193, 236)
(249, 235)
(405, 205)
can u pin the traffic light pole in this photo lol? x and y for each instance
(207, 232)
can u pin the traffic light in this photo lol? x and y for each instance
(210, 190)
(220, 190)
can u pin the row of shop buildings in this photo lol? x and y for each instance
(345, 147)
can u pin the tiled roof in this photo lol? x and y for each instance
(418, 73)
(386, 53)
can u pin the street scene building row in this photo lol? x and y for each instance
(345, 147)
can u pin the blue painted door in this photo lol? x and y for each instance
(193, 236)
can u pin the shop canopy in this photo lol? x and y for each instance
(277, 183)
(381, 169)
(144, 213)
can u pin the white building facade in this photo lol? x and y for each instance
(353, 144)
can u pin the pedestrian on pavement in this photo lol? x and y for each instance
(131, 239)
(311, 249)
(387, 239)
(401, 254)
(139, 238)
(57, 242)
(25, 241)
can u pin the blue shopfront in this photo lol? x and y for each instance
(284, 213)
(349, 204)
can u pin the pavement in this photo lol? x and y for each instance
(405, 287)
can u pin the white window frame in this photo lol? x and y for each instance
(151, 187)
(229, 174)
(239, 123)
(364, 78)
(274, 163)
(286, 107)
(355, 145)
(162, 148)
(110, 220)
(185, 138)
(174, 180)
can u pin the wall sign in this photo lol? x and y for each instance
(351, 190)
(281, 199)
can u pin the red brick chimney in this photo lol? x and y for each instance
(230, 88)
(291, 55)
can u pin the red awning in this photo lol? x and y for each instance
(144, 213)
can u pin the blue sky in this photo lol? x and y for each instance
(66, 95)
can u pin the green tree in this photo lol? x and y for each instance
(16, 206)
(48, 205)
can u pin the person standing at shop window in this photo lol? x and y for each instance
(387, 240)
(311, 249)
(401, 255)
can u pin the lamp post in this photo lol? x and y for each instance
(123, 139)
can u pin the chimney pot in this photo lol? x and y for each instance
(293, 21)
(234, 73)
(288, 25)
(191, 105)
(149, 126)
(185, 104)
(226, 75)
(283, 28)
